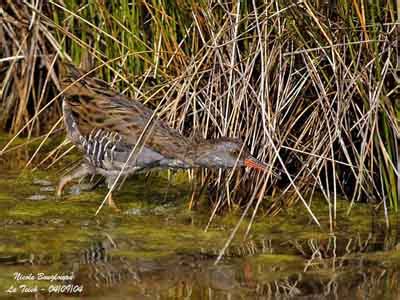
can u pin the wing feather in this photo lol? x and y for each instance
(96, 106)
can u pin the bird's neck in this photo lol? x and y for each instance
(202, 153)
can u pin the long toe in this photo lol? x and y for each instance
(112, 204)
(81, 171)
(61, 185)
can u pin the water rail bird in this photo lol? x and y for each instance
(105, 126)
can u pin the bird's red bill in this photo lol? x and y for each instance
(254, 164)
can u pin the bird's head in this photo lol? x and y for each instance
(226, 153)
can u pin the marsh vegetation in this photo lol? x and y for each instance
(311, 87)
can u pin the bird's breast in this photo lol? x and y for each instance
(174, 164)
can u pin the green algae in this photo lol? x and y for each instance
(391, 257)
(156, 233)
(276, 259)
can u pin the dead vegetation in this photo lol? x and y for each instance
(313, 89)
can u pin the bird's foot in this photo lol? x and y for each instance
(60, 187)
(83, 170)
(112, 204)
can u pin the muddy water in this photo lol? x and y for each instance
(157, 249)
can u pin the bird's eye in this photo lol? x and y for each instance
(235, 152)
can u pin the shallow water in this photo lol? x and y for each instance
(158, 249)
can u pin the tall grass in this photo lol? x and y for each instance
(311, 87)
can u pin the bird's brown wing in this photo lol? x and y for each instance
(96, 106)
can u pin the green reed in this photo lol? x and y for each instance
(310, 85)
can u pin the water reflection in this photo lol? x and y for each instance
(249, 272)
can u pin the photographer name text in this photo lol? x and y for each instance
(43, 276)
(62, 287)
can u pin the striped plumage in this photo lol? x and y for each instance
(106, 126)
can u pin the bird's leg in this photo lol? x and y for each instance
(110, 182)
(112, 204)
(81, 171)
(96, 184)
